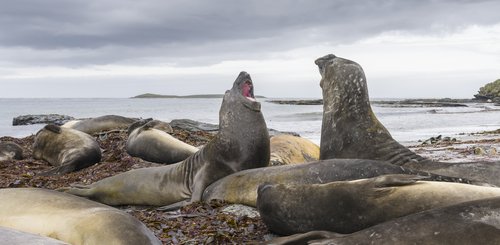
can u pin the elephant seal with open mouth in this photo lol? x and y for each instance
(241, 143)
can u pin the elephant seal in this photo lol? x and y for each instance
(290, 149)
(350, 206)
(69, 218)
(100, 124)
(474, 222)
(350, 129)
(11, 236)
(67, 149)
(241, 187)
(10, 151)
(152, 142)
(241, 143)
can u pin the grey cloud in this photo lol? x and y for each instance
(113, 31)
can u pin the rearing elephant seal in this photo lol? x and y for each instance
(350, 129)
(68, 218)
(156, 145)
(349, 206)
(241, 143)
(67, 149)
(10, 151)
(100, 124)
(474, 222)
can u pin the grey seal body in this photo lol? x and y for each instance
(152, 142)
(241, 187)
(67, 149)
(350, 206)
(10, 151)
(474, 222)
(100, 124)
(68, 218)
(241, 143)
(12, 236)
(350, 129)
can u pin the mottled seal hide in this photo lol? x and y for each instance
(67, 149)
(350, 129)
(152, 142)
(290, 149)
(241, 143)
(10, 151)
(350, 206)
(241, 187)
(101, 124)
(474, 222)
(68, 218)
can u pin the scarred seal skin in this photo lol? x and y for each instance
(241, 187)
(68, 218)
(152, 142)
(350, 129)
(241, 143)
(474, 222)
(350, 206)
(67, 149)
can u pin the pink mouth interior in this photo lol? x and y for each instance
(246, 91)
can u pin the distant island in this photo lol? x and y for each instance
(194, 96)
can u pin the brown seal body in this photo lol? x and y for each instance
(350, 206)
(350, 129)
(69, 218)
(241, 143)
(290, 149)
(474, 222)
(101, 124)
(241, 187)
(10, 151)
(67, 149)
(152, 142)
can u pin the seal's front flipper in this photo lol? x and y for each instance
(392, 180)
(64, 169)
(303, 238)
(174, 206)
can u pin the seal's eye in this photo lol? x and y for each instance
(247, 90)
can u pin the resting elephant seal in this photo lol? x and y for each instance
(350, 206)
(290, 149)
(474, 222)
(10, 151)
(241, 143)
(152, 142)
(68, 218)
(11, 236)
(67, 149)
(100, 124)
(241, 187)
(350, 129)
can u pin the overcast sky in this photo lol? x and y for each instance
(116, 48)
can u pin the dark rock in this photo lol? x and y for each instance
(41, 119)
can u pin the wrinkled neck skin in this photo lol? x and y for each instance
(350, 129)
(242, 133)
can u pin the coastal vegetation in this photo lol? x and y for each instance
(490, 91)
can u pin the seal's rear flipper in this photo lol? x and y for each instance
(174, 206)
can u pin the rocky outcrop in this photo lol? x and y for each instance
(41, 119)
(490, 91)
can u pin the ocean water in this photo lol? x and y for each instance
(406, 125)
